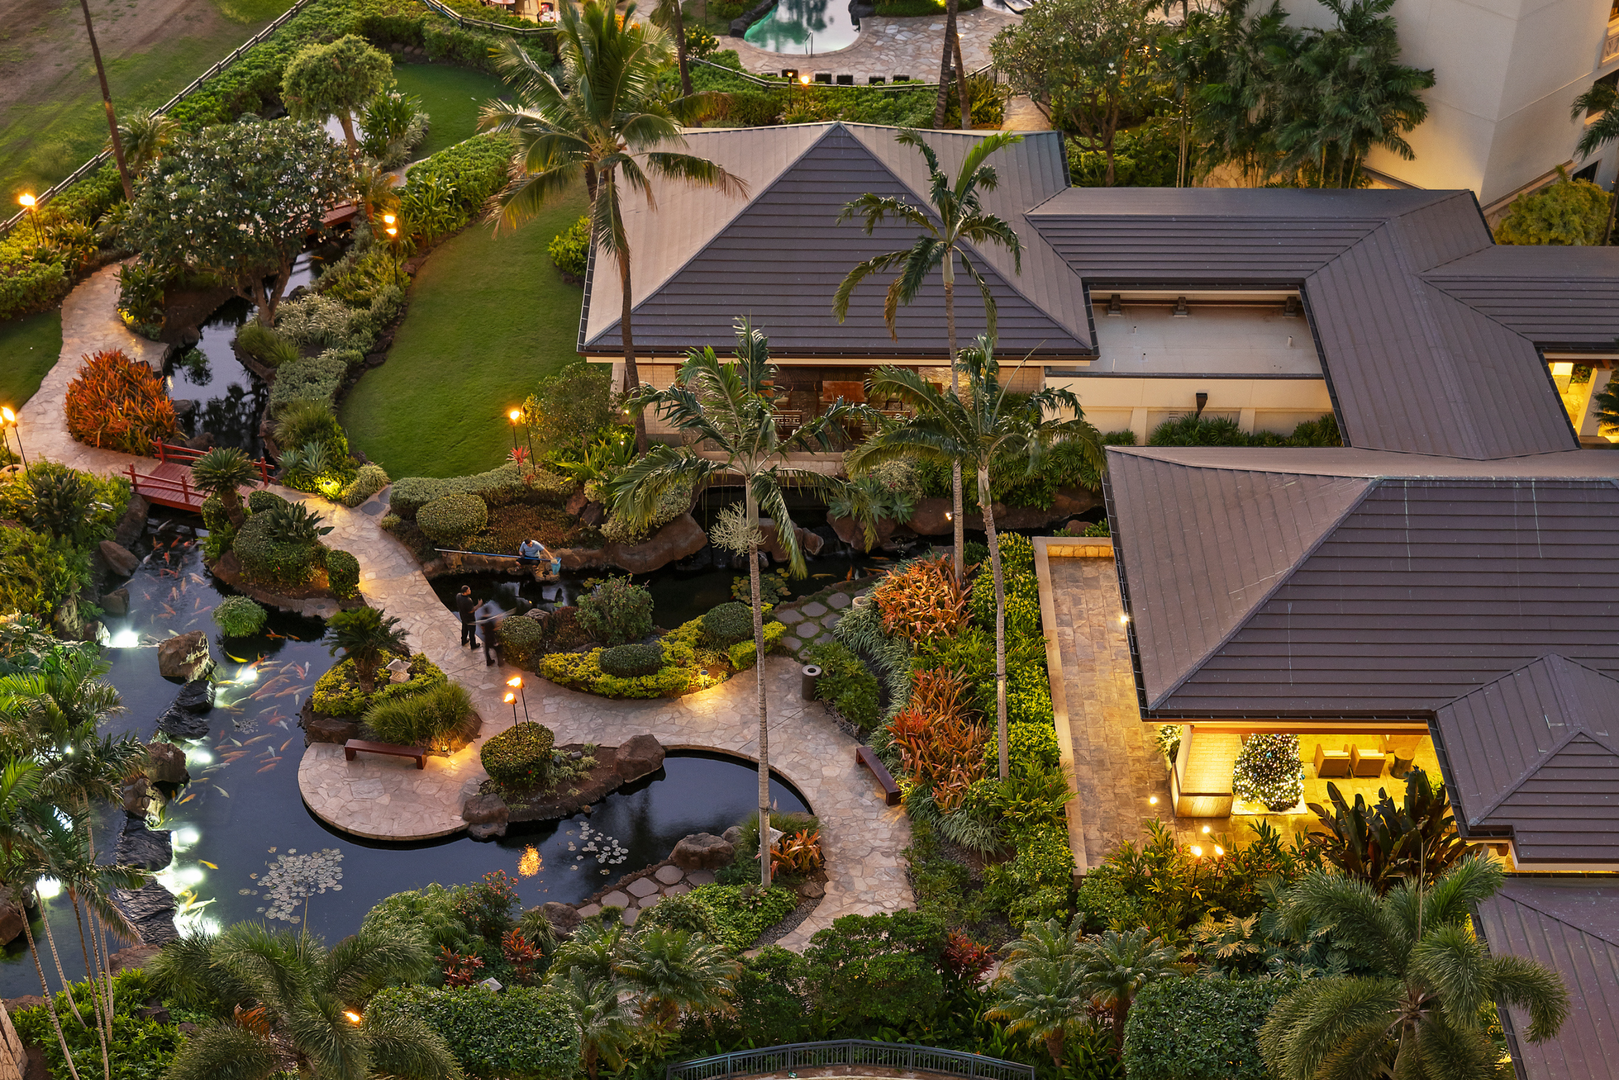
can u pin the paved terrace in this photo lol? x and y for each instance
(389, 799)
(887, 47)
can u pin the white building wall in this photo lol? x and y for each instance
(1113, 403)
(1506, 73)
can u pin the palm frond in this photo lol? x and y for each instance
(1517, 980)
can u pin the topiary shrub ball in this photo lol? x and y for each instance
(343, 574)
(520, 757)
(728, 624)
(237, 616)
(452, 517)
(632, 661)
(260, 501)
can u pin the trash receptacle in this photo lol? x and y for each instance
(811, 673)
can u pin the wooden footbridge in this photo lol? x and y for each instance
(169, 483)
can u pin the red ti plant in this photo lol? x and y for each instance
(521, 954)
(458, 970)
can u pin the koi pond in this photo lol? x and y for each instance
(245, 846)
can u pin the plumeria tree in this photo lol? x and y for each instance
(239, 201)
(336, 79)
(729, 408)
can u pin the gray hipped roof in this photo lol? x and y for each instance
(701, 258)
(1249, 598)
(1571, 924)
(1535, 756)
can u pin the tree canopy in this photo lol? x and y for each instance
(337, 79)
(239, 201)
(1568, 212)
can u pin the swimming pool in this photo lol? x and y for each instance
(806, 27)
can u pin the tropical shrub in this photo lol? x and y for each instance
(270, 560)
(265, 346)
(522, 641)
(140, 297)
(304, 421)
(1037, 882)
(36, 576)
(316, 379)
(1030, 747)
(338, 692)
(1269, 771)
(367, 482)
(922, 600)
(238, 616)
(519, 757)
(616, 611)
(520, 1033)
(1386, 843)
(743, 912)
(743, 654)
(116, 403)
(682, 913)
(570, 248)
(582, 671)
(846, 684)
(1566, 212)
(727, 624)
(343, 574)
(440, 718)
(446, 191)
(1199, 1029)
(797, 854)
(632, 661)
(80, 508)
(140, 1048)
(939, 748)
(452, 518)
(868, 971)
(675, 500)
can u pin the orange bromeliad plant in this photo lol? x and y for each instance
(938, 744)
(115, 403)
(922, 601)
(798, 852)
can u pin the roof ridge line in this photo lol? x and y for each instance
(1529, 770)
(1282, 579)
(1554, 917)
(745, 203)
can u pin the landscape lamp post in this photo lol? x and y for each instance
(10, 421)
(514, 416)
(517, 681)
(393, 241)
(30, 206)
(511, 699)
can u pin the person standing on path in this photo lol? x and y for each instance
(490, 616)
(465, 606)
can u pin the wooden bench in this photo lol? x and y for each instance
(864, 756)
(354, 746)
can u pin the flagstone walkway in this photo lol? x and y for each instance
(389, 799)
(887, 47)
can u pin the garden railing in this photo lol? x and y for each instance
(849, 1052)
(745, 76)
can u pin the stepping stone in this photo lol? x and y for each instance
(823, 637)
(830, 621)
(814, 609)
(615, 899)
(590, 911)
(787, 618)
(700, 877)
(669, 875)
(629, 916)
(642, 887)
(676, 890)
(651, 901)
(791, 644)
(839, 600)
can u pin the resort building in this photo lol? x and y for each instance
(1440, 592)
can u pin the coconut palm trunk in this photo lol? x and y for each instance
(632, 373)
(1000, 615)
(106, 100)
(56, 958)
(946, 62)
(759, 672)
(45, 988)
(958, 515)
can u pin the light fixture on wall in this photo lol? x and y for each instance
(1181, 310)
(1290, 310)
(1113, 307)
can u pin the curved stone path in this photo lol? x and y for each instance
(389, 799)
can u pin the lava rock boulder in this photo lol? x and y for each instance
(166, 764)
(638, 756)
(119, 559)
(702, 851)
(184, 656)
(149, 849)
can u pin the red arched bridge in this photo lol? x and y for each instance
(169, 483)
(849, 1057)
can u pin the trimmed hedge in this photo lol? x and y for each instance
(632, 661)
(520, 1033)
(452, 518)
(500, 486)
(742, 654)
(262, 500)
(1200, 1029)
(343, 574)
(519, 757)
(583, 671)
(270, 561)
(521, 639)
(366, 483)
(728, 624)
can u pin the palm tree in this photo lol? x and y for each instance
(668, 14)
(675, 973)
(985, 427)
(288, 1004)
(1113, 967)
(220, 472)
(605, 1033)
(1421, 1014)
(949, 61)
(365, 635)
(604, 123)
(728, 407)
(106, 101)
(1038, 991)
(146, 136)
(957, 220)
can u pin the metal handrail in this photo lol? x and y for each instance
(811, 1055)
(783, 84)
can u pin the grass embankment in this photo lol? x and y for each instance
(54, 121)
(28, 348)
(488, 317)
(451, 96)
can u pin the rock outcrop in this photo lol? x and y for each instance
(702, 851)
(184, 656)
(119, 559)
(149, 849)
(166, 764)
(677, 540)
(640, 755)
(486, 816)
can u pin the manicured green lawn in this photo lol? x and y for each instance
(489, 316)
(28, 348)
(452, 97)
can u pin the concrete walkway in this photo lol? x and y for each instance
(888, 47)
(387, 798)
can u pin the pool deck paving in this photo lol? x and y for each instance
(386, 798)
(887, 47)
